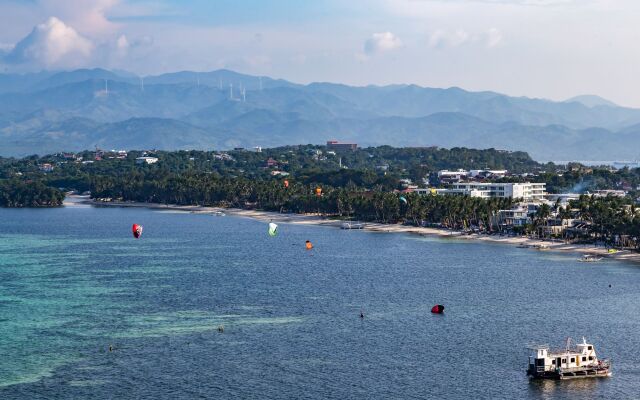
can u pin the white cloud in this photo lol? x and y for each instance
(122, 43)
(381, 42)
(52, 44)
(443, 39)
(88, 16)
(493, 37)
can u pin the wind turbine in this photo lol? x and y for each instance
(142, 83)
(106, 88)
(231, 91)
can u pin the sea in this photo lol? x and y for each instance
(212, 307)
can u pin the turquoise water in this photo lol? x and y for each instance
(73, 282)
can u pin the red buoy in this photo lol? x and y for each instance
(437, 309)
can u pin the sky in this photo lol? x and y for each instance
(553, 49)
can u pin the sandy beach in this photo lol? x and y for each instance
(578, 249)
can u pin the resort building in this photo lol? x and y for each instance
(605, 193)
(494, 173)
(516, 217)
(339, 146)
(146, 160)
(556, 226)
(446, 176)
(46, 167)
(562, 199)
(526, 191)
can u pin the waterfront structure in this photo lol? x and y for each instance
(340, 146)
(556, 226)
(526, 191)
(146, 160)
(515, 217)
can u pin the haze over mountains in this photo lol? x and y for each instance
(49, 112)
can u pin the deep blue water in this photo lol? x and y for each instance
(73, 281)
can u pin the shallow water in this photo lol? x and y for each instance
(73, 282)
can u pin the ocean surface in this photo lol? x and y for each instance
(73, 282)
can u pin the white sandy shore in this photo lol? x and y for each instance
(369, 226)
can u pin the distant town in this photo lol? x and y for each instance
(464, 189)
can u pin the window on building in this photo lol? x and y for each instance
(573, 359)
(553, 362)
(589, 348)
(590, 358)
(564, 360)
(584, 358)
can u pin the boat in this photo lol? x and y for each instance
(541, 246)
(523, 246)
(579, 361)
(352, 225)
(219, 214)
(589, 258)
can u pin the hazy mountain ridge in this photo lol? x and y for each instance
(76, 110)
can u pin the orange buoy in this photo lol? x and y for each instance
(318, 191)
(286, 183)
(308, 245)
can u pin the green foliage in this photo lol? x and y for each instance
(18, 193)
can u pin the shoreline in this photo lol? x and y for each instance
(301, 219)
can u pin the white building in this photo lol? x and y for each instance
(527, 191)
(514, 217)
(452, 176)
(46, 167)
(147, 160)
(488, 172)
(563, 198)
(608, 192)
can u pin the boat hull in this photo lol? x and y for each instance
(571, 374)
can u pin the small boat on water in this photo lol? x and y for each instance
(352, 225)
(589, 258)
(579, 361)
(541, 246)
(523, 246)
(219, 214)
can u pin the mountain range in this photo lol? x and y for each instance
(74, 110)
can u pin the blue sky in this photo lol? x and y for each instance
(538, 48)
